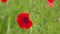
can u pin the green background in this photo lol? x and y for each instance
(46, 20)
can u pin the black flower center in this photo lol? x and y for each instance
(26, 20)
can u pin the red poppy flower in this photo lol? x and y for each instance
(24, 21)
(51, 3)
(3, 1)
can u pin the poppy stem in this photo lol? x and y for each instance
(8, 28)
(8, 25)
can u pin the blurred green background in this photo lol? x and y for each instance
(46, 20)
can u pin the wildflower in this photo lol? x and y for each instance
(51, 3)
(24, 20)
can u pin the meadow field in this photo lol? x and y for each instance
(46, 20)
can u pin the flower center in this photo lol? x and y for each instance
(26, 20)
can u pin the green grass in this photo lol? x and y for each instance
(46, 20)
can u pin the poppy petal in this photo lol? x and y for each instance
(50, 1)
(28, 25)
(3, 1)
(51, 5)
(19, 20)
